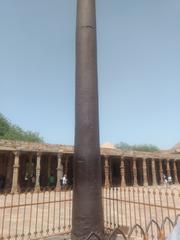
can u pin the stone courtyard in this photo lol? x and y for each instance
(35, 215)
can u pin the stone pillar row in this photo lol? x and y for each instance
(15, 175)
(15, 185)
(135, 172)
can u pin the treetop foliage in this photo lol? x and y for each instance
(141, 147)
(10, 131)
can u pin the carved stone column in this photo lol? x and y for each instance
(66, 165)
(122, 168)
(168, 168)
(106, 172)
(135, 183)
(38, 169)
(154, 172)
(145, 173)
(15, 185)
(59, 171)
(30, 170)
(175, 172)
(161, 172)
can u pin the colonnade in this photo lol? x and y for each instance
(34, 168)
(16, 172)
(141, 171)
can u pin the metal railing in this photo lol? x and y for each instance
(132, 212)
(144, 212)
(31, 215)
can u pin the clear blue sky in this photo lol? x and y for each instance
(138, 59)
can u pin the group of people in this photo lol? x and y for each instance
(167, 179)
(63, 181)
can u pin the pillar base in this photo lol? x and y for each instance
(37, 189)
(135, 185)
(58, 188)
(15, 189)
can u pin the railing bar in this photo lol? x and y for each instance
(138, 193)
(47, 227)
(117, 205)
(129, 197)
(168, 208)
(17, 218)
(148, 205)
(10, 216)
(150, 211)
(30, 215)
(35, 231)
(28, 204)
(54, 211)
(114, 211)
(65, 210)
(145, 217)
(42, 216)
(106, 208)
(70, 210)
(125, 206)
(24, 212)
(3, 217)
(110, 207)
(174, 204)
(121, 206)
(134, 205)
(59, 227)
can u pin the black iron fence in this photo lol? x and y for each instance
(31, 215)
(141, 212)
(132, 212)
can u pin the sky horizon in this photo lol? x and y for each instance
(138, 69)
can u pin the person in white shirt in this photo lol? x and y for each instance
(64, 181)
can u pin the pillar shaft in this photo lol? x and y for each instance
(38, 169)
(145, 172)
(30, 171)
(161, 172)
(175, 172)
(106, 172)
(154, 172)
(135, 182)
(87, 213)
(66, 165)
(59, 171)
(15, 185)
(168, 168)
(122, 169)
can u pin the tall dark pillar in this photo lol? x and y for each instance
(87, 200)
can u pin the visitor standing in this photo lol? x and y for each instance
(64, 181)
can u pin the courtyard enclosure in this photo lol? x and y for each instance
(134, 191)
(138, 212)
(29, 166)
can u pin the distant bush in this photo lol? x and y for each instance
(14, 132)
(141, 147)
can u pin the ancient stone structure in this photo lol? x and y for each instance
(28, 165)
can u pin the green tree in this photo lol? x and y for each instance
(14, 132)
(141, 147)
